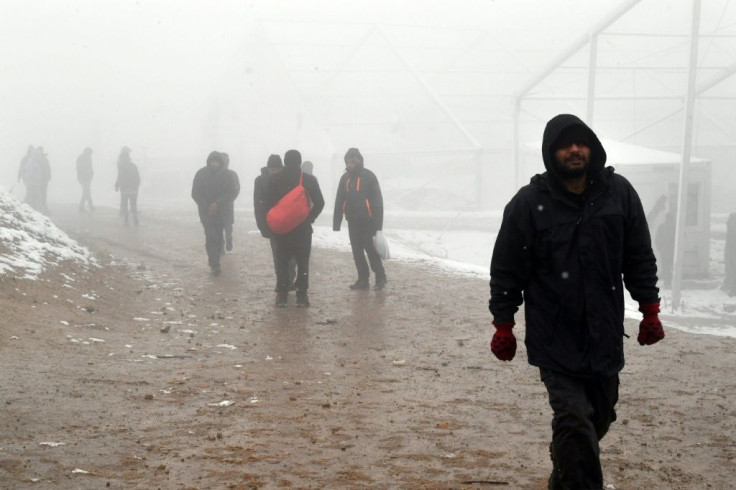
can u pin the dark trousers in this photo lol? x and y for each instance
(361, 241)
(291, 269)
(86, 196)
(131, 198)
(213, 228)
(297, 244)
(583, 411)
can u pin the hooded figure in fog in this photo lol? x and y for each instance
(229, 211)
(298, 242)
(359, 199)
(212, 190)
(85, 173)
(30, 172)
(128, 182)
(565, 242)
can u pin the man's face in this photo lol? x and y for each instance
(274, 170)
(214, 164)
(352, 164)
(572, 159)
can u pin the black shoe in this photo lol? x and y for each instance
(216, 270)
(360, 284)
(302, 299)
(229, 244)
(282, 299)
(380, 284)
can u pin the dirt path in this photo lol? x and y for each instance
(150, 373)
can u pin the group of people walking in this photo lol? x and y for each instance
(35, 172)
(358, 200)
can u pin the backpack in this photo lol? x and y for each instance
(290, 211)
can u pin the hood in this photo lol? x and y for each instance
(552, 131)
(354, 152)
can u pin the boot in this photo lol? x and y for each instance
(360, 284)
(282, 299)
(301, 298)
(380, 283)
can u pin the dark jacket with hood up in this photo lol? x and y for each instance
(213, 185)
(358, 198)
(281, 183)
(566, 255)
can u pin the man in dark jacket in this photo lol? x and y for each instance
(298, 242)
(229, 211)
(212, 190)
(565, 242)
(85, 173)
(359, 199)
(128, 182)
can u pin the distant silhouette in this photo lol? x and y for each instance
(729, 283)
(664, 240)
(128, 182)
(229, 211)
(85, 173)
(30, 172)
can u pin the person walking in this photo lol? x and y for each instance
(360, 201)
(212, 190)
(298, 242)
(565, 242)
(31, 173)
(85, 173)
(45, 169)
(229, 211)
(128, 182)
(260, 191)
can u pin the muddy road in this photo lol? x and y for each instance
(150, 373)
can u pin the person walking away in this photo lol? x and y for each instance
(565, 242)
(31, 173)
(260, 191)
(360, 201)
(729, 283)
(45, 168)
(85, 173)
(212, 190)
(128, 182)
(298, 242)
(230, 206)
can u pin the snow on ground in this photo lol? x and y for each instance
(705, 308)
(30, 242)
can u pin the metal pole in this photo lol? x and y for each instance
(592, 64)
(686, 149)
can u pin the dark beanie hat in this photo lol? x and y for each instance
(292, 157)
(354, 153)
(215, 156)
(274, 161)
(575, 133)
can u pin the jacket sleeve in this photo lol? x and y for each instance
(511, 261)
(259, 204)
(375, 198)
(339, 202)
(639, 263)
(235, 184)
(315, 194)
(197, 190)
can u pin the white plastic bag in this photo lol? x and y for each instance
(381, 245)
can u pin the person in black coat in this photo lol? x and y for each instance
(229, 211)
(565, 242)
(298, 242)
(359, 199)
(212, 191)
(260, 190)
(128, 182)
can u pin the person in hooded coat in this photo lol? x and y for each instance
(566, 241)
(273, 166)
(298, 242)
(360, 201)
(31, 173)
(212, 190)
(128, 182)
(85, 173)
(229, 210)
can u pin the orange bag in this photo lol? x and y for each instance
(290, 211)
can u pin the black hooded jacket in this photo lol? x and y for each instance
(359, 199)
(281, 183)
(564, 257)
(213, 185)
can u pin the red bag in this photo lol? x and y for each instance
(290, 211)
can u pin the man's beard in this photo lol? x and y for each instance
(572, 173)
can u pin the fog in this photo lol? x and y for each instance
(426, 89)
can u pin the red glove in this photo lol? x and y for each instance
(503, 343)
(650, 328)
